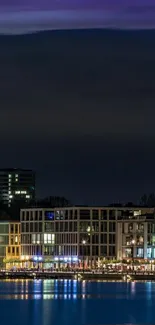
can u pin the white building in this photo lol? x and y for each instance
(136, 236)
(88, 234)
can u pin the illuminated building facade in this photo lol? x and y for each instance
(4, 240)
(136, 236)
(16, 185)
(86, 235)
(9, 243)
(13, 250)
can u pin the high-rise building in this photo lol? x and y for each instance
(16, 185)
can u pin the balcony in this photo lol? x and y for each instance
(140, 230)
(130, 230)
(129, 243)
(132, 218)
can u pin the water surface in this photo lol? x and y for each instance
(57, 302)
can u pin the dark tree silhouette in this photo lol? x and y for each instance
(52, 202)
(147, 200)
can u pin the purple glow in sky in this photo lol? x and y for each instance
(23, 16)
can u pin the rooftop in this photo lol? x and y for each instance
(85, 207)
(15, 170)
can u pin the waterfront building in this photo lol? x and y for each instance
(13, 249)
(136, 236)
(85, 235)
(9, 243)
(16, 185)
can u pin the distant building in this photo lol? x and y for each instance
(16, 185)
(77, 235)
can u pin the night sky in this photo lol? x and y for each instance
(79, 108)
(20, 16)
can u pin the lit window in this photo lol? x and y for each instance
(17, 192)
(38, 238)
(16, 175)
(48, 239)
(49, 236)
(28, 196)
(137, 213)
(10, 196)
(53, 238)
(45, 238)
(16, 239)
(33, 238)
(23, 192)
(10, 176)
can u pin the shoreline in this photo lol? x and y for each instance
(77, 276)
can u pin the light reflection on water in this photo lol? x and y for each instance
(56, 296)
(74, 289)
(46, 302)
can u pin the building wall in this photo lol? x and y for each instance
(4, 240)
(13, 250)
(67, 230)
(55, 233)
(136, 238)
(9, 242)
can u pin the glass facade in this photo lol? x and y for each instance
(9, 241)
(85, 233)
(135, 235)
(62, 233)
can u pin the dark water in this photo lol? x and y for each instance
(54, 302)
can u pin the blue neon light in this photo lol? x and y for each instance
(49, 215)
(66, 258)
(37, 258)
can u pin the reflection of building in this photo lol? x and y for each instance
(16, 185)
(9, 243)
(136, 236)
(68, 235)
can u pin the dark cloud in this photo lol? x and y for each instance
(79, 108)
(19, 17)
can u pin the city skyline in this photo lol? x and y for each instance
(78, 236)
(77, 139)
